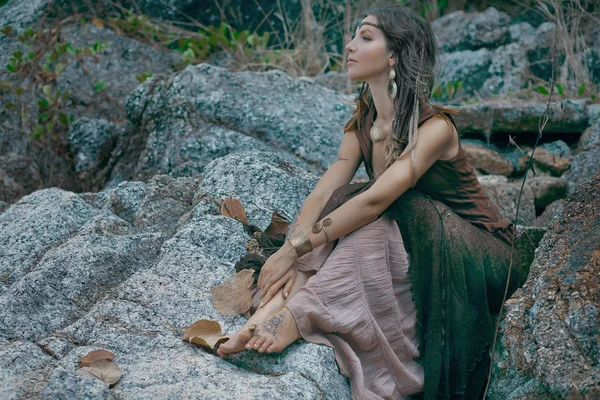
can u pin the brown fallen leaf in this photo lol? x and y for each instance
(105, 370)
(278, 224)
(233, 208)
(205, 333)
(233, 296)
(97, 22)
(94, 356)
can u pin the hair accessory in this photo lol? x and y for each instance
(301, 243)
(376, 133)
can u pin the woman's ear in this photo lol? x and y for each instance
(392, 60)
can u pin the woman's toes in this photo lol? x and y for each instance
(258, 344)
(266, 344)
(250, 344)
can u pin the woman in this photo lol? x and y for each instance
(342, 277)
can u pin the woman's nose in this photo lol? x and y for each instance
(349, 46)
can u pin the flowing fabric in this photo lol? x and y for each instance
(409, 301)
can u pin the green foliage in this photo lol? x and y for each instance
(37, 71)
(143, 76)
(446, 92)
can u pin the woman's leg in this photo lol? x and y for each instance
(238, 341)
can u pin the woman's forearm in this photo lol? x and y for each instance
(350, 216)
(307, 214)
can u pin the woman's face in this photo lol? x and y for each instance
(368, 57)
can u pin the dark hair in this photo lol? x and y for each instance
(415, 49)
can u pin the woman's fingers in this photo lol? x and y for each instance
(288, 286)
(271, 290)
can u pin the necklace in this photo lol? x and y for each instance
(376, 132)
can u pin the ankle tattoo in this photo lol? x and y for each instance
(273, 325)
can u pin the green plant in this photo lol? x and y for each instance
(35, 72)
(447, 92)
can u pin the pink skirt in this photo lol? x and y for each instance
(359, 303)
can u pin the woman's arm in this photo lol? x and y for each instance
(435, 136)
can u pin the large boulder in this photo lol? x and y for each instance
(470, 31)
(550, 343)
(206, 111)
(127, 269)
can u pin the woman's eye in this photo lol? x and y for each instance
(366, 39)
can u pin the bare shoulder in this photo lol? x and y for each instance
(438, 126)
(442, 132)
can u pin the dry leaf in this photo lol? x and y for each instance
(97, 22)
(105, 370)
(278, 224)
(233, 208)
(94, 356)
(205, 333)
(233, 296)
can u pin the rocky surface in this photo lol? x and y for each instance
(127, 270)
(549, 348)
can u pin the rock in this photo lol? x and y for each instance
(552, 211)
(19, 176)
(487, 160)
(91, 142)
(590, 137)
(242, 175)
(68, 280)
(24, 369)
(35, 224)
(470, 67)
(548, 189)
(546, 161)
(126, 277)
(586, 161)
(20, 15)
(583, 166)
(122, 58)
(65, 384)
(523, 34)
(522, 116)
(299, 119)
(508, 69)
(527, 242)
(470, 31)
(506, 195)
(557, 147)
(550, 337)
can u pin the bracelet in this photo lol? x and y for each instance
(301, 243)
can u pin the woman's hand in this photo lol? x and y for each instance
(278, 270)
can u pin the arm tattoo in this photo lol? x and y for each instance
(340, 158)
(295, 224)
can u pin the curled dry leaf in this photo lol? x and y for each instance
(205, 333)
(233, 296)
(233, 208)
(278, 224)
(105, 370)
(94, 356)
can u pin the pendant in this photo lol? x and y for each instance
(376, 134)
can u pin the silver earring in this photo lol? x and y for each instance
(392, 87)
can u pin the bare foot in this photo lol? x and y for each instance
(235, 344)
(275, 334)
(239, 340)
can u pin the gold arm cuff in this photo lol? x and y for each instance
(301, 243)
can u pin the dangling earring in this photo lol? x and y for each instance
(392, 87)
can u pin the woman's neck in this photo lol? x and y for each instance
(383, 104)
